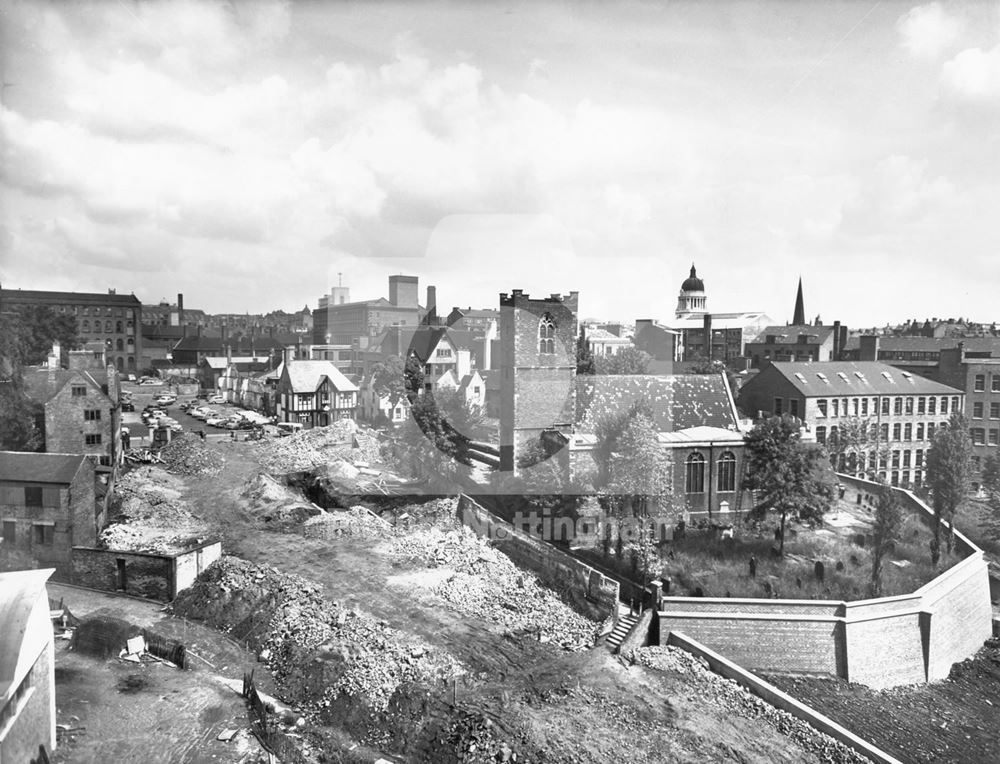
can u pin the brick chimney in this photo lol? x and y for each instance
(180, 309)
(837, 349)
(869, 348)
(708, 336)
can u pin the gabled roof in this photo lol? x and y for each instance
(789, 335)
(26, 296)
(677, 402)
(218, 363)
(307, 376)
(42, 385)
(468, 380)
(492, 378)
(829, 378)
(23, 467)
(239, 345)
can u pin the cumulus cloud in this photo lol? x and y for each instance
(974, 75)
(927, 31)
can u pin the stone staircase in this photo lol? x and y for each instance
(622, 628)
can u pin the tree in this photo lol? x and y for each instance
(991, 484)
(792, 477)
(608, 431)
(18, 417)
(27, 333)
(432, 448)
(629, 360)
(855, 436)
(389, 378)
(949, 470)
(885, 532)
(584, 358)
(640, 481)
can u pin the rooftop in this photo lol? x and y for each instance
(853, 378)
(789, 335)
(22, 467)
(26, 296)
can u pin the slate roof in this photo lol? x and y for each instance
(239, 345)
(17, 466)
(678, 402)
(789, 335)
(28, 296)
(929, 344)
(829, 378)
(720, 320)
(42, 385)
(306, 376)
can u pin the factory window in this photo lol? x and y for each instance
(980, 383)
(977, 410)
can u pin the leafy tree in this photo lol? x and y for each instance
(855, 436)
(28, 332)
(885, 532)
(608, 431)
(629, 360)
(413, 377)
(949, 470)
(389, 378)
(791, 477)
(18, 417)
(432, 449)
(584, 358)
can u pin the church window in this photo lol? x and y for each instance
(695, 482)
(546, 335)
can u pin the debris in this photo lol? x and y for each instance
(227, 735)
(135, 646)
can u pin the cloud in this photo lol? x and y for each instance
(973, 76)
(927, 31)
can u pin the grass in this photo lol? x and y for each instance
(720, 567)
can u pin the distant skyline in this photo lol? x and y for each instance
(246, 153)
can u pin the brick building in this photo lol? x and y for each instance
(112, 318)
(971, 364)
(82, 413)
(336, 322)
(47, 506)
(27, 668)
(797, 343)
(661, 343)
(896, 411)
(537, 368)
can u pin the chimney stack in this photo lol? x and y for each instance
(180, 309)
(431, 299)
(837, 349)
(708, 336)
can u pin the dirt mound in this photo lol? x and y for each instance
(358, 522)
(308, 448)
(486, 584)
(317, 650)
(277, 504)
(188, 455)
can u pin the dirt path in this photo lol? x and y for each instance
(573, 707)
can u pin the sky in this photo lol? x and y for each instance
(252, 155)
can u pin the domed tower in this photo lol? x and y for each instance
(691, 300)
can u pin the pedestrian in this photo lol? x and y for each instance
(753, 567)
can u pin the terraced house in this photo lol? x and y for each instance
(874, 418)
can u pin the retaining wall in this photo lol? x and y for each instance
(588, 590)
(880, 642)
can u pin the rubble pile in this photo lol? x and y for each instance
(486, 584)
(188, 455)
(308, 448)
(277, 504)
(150, 516)
(731, 696)
(357, 521)
(317, 650)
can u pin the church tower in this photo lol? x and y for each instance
(537, 371)
(692, 301)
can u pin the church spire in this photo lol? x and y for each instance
(799, 318)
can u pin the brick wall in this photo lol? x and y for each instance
(146, 575)
(66, 427)
(881, 642)
(585, 588)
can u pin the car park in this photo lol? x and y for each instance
(216, 421)
(217, 399)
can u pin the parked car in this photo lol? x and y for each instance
(128, 406)
(165, 399)
(287, 428)
(216, 421)
(217, 399)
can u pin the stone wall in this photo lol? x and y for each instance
(585, 588)
(34, 724)
(881, 642)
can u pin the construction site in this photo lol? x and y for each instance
(391, 631)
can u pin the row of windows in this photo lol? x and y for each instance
(875, 460)
(41, 533)
(694, 480)
(979, 383)
(978, 409)
(87, 310)
(922, 404)
(109, 326)
(983, 437)
(880, 432)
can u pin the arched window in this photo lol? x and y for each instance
(85, 325)
(120, 363)
(547, 335)
(727, 472)
(131, 362)
(107, 326)
(695, 479)
(131, 344)
(118, 327)
(119, 345)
